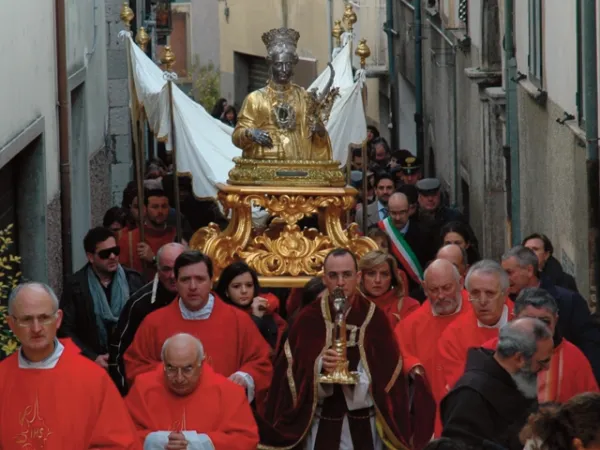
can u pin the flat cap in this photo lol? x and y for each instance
(428, 186)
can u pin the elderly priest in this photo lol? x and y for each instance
(185, 404)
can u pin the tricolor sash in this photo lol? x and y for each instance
(402, 250)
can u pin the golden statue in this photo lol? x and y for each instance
(281, 127)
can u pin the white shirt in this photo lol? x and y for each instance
(49, 363)
(501, 322)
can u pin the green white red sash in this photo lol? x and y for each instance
(402, 250)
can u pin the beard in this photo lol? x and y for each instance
(526, 382)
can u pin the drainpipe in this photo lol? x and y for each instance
(420, 138)
(512, 120)
(63, 134)
(590, 89)
(392, 75)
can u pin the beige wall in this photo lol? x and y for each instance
(28, 78)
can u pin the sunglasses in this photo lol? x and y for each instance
(105, 254)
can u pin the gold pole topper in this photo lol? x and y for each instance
(363, 52)
(168, 58)
(337, 32)
(350, 17)
(142, 39)
(127, 15)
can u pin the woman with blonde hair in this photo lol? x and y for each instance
(383, 284)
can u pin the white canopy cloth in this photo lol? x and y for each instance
(204, 146)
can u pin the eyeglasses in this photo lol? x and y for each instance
(186, 371)
(28, 321)
(480, 298)
(105, 254)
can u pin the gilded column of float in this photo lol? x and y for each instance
(363, 52)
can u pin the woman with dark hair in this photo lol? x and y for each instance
(219, 108)
(460, 234)
(571, 426)
(115, 219)
(238, 285)
(229, 116)
(372, 133)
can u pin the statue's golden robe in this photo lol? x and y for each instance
(291, 145)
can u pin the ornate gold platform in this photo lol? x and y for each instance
(276, 172)
(283, 255)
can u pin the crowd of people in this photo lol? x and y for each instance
(449, 350)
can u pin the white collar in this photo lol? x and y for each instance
(49, 363)
(503, 320)
(201, 314)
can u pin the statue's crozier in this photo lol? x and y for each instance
(281, 127)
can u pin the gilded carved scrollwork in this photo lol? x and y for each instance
(292, 251)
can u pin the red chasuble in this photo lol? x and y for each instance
(218, 408)
(292, 400)
(231, 342)
(461, 335)
(129, 240)
(74, 405)
(396, 309)
(569, 374)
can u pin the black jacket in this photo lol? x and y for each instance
(554, 274)
(485, 407)
(576, 324)
(135, 311)
(79, 320)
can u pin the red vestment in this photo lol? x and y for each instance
(224, 415)
(395, 308)
(461, 335)
(569, 374)
(292, 400)
(129, 240)
(73, 405)
(231, 342)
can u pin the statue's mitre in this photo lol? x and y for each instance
(278, 36)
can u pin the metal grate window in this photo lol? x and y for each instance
(463, 11)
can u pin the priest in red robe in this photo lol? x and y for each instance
(234, 346)
(487, 284)
(570, 373)
(303, 413)
(164, 403)
(51, 397)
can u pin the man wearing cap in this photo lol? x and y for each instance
(411, 170)
(431, 213)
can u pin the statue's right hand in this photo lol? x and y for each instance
(330, 360)
(261, 137)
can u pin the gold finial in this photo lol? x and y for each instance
(168, 58)
(350, 17)
(127, 15)
(363, 52)
(337, 32)
(142, 38)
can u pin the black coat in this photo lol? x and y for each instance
(485, 409)
(134, 312)
(79, 318)
(421, 246)
(576, 324)
(554, 274)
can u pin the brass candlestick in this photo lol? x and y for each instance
(168, 58)
(142, 39)
(337, 32)
(341, 374)
(363, 52)
(127, 15)
(350, 17)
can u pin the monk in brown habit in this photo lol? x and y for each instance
(185, 404)
(302, 413)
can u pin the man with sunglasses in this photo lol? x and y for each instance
(94, 297)
(157, 294)
(51, 397)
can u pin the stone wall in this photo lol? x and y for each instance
(100, 191)
(54, 245)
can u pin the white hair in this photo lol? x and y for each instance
(15, 292)
(488, 267)
(160, 251)
(199, 345)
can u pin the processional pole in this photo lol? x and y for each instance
(363, 52)
(168, 60)
(127, 17)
